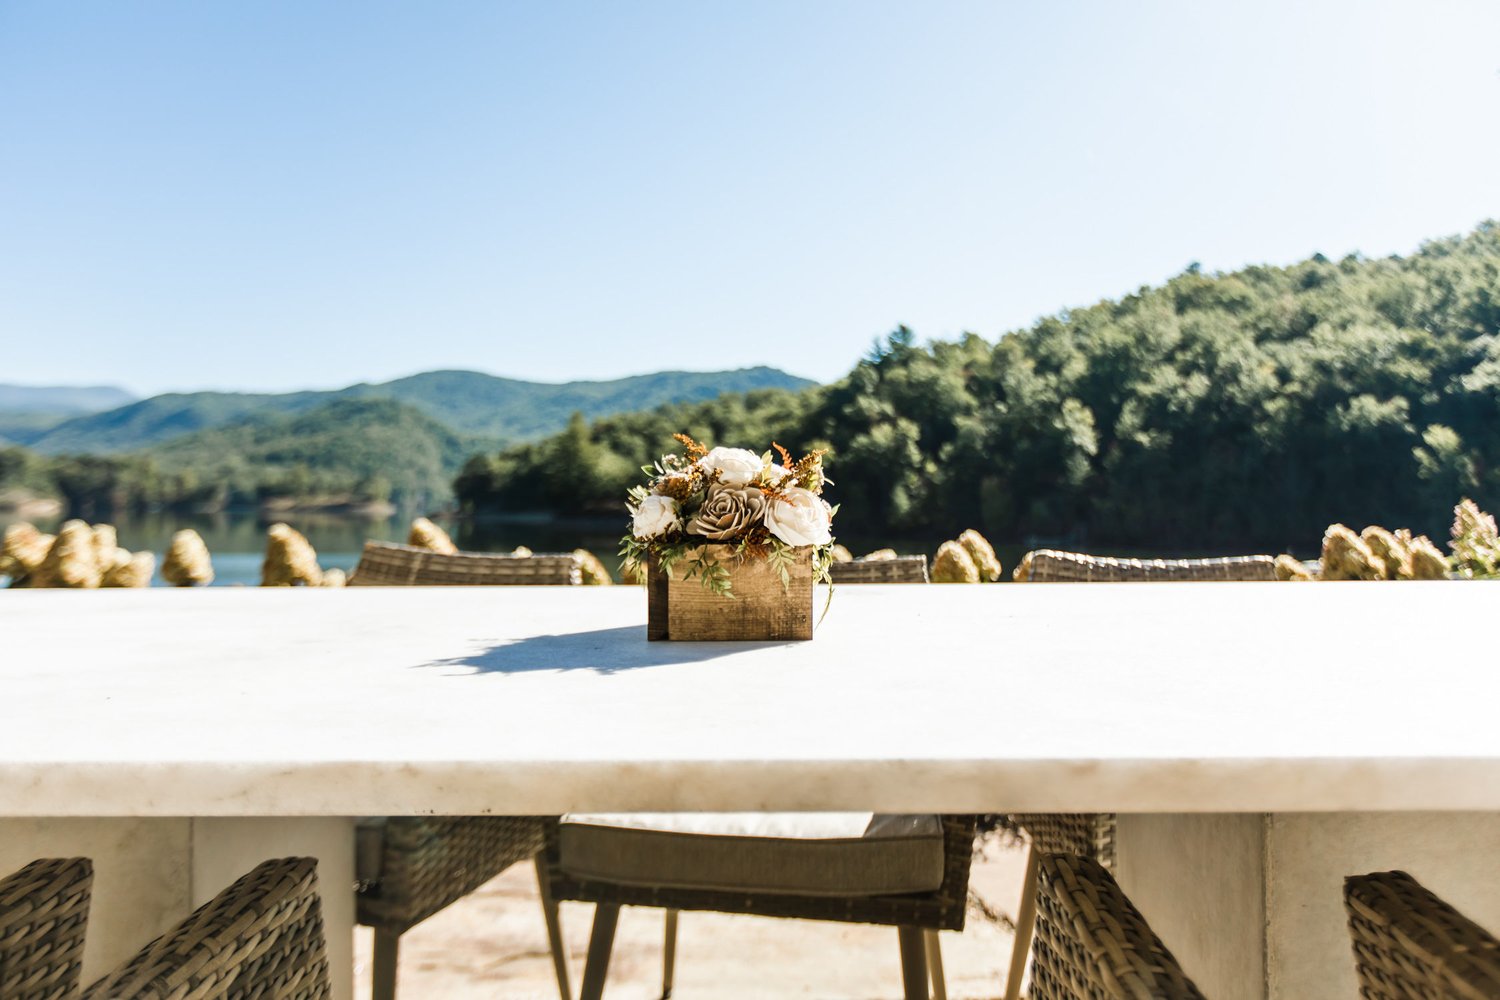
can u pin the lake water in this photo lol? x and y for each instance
(237, 542)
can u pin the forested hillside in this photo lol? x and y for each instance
(349, 451)
(1218, 410)
(473, 403)
(402, 441)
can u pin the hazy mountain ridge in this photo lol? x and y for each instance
(62, 399)
(498, 410)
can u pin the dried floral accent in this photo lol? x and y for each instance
(187, 562)
(24, 551)
(1347, 557)
(1390, 550)
(426, 535)
(693, 449)
(591, 569)
(729, 513)
(1291, 568)
(983, 554)
(953, 564)
(1427, 561)
(1476, 542)
(129, 569)
(73, 560)
(762, 509)
(290, 559)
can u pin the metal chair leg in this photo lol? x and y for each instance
(1025, 924)
(669, 955)
(913, 963)
(601, 941)
(555, 941)
(935, 964)
(383, 969)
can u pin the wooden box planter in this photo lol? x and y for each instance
(761, 608)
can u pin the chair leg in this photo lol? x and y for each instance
(555, 941)
(669, 955)
(1025, 925)
(383, 971)
(913, 963)
(601, 941)
(935, 964)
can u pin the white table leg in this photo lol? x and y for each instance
(1252, 905)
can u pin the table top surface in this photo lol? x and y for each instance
(1056, 697)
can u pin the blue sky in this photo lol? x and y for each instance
(284, 195)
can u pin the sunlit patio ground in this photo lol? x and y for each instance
(492, 946)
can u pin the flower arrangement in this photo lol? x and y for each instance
(760, 508)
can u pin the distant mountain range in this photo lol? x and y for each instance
(61, 400)
(484, 408)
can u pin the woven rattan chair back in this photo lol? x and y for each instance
(260, 938)
(1087, 835)
(387, 564)
(1410, 944)
(1092, 944)
(410, 867)
(44, 911)
(1052, 566)
(902, 569)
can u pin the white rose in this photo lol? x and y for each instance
(737, 466)
(799, 518)
(656, 515)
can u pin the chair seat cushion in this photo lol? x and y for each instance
(806, 854)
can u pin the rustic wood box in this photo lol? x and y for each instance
(761, 608)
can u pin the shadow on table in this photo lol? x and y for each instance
(605, 651)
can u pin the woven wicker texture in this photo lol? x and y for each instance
(259, 939)
(1052, 566)
(1087, 835)
(386, 564)
(44, 910)
(1410, 945)
(427, 862)
(1092, 944)
(941, 909)
(902, 569)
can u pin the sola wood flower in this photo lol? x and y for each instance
(729, 513)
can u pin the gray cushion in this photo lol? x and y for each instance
(807, 854)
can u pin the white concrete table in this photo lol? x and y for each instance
(1260, 741)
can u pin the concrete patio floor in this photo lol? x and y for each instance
(491, 946)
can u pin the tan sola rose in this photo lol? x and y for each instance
(728, 513)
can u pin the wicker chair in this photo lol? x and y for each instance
(1092, 944)
(44, 911)
(1052, 566)
(1092, 835)
(902, 569)
(261, 937)
(1085, 835)
(911, 913)
(387, 564)
(1410, 945)
(410, 867)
